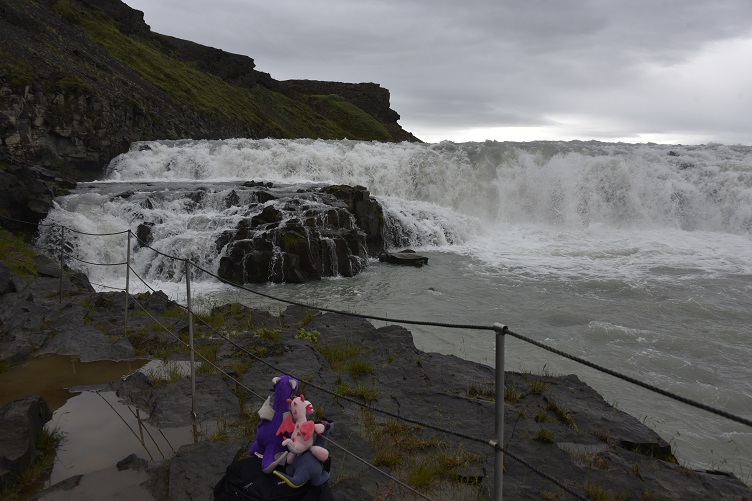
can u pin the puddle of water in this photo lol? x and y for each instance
(105, 484)
(99, 430)
(51, 376)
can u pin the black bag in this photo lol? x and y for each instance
(244, 481)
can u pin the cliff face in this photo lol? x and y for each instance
(80, 80)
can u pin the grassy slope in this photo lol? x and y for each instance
(257, 107)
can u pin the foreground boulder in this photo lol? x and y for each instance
(21, 422)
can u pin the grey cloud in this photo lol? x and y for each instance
(479, 63)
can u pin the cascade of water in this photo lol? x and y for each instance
(433, 196)
(572, 184)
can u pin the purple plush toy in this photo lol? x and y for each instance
(268, 445)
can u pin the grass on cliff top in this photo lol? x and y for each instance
(258, 108)
(349, 117)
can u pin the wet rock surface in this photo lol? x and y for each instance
(304, 234)
(350, 368)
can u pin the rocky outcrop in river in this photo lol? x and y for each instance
(310, 234)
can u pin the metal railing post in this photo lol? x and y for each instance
(62, 260)
(190, 335)
(501, 330)
(127, 279)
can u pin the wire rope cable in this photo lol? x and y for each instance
(91, 263)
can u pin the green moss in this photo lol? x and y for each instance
(292, 241)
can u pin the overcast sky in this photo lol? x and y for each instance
(667, 71)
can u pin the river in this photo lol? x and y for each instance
(635, 257)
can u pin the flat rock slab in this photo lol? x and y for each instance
(407, 258)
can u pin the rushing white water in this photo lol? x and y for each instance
(637, 257)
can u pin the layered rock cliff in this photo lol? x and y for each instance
(80, 80)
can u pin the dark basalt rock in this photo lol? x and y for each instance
(592, 442)
(406, 257)
(143, 234)
(303, 235)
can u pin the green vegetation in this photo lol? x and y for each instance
(168, 372)
(538, 387)
(312, 336)
(485, 392)
(221, 319)
(592, 460)
(343, 357)
(361, 391)
(603, 435)
(551, 495)
(73, 85)
(206, 355)
(17, 254)
(598, 493)
(308, 317)
(545, 435)
(269, 334)
(511, 394)
(28, 481)
(562, 415)
(542, 417)
(422, 461)
(358, 123)
(18, 71)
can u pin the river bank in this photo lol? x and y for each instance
(351, 371)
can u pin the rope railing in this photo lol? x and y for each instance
(496, 443)
(308, 383)
(204, 358)
(241, 385)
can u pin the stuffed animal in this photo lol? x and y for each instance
(268, 444)
(307, 467)
(301, 430)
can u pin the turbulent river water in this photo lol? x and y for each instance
(635, 257)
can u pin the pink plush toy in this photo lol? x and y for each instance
(302, 432)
